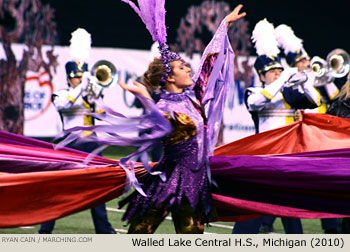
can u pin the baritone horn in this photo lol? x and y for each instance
(337, 65)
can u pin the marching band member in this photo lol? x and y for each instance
(267, 104)
(296, 56)
(72, 104)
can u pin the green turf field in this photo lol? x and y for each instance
(81, 223)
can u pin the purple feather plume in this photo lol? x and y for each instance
(152, 14)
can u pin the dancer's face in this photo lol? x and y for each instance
(182, 77)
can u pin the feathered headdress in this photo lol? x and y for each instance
(79, 49)
(152, 14)
(291, 44)
(266, 47)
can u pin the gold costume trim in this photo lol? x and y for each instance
(334, 95)
(266, 94)
(186, 220)
(71, 99)
(184, 128)
(88, 120)
(322, 109)
(289, 119)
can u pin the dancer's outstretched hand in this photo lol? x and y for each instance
(137, 89)
(235, 15)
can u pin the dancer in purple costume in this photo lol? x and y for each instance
(194, 109)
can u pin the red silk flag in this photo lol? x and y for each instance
(316, 132)
(39, 184)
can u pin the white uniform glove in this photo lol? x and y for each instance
(309, 89)
(276, 86)
(298, 78)
(85, 80)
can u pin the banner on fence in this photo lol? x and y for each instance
(42, 119)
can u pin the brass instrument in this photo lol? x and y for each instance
(318, 66)
(103, 75)
(337, 65)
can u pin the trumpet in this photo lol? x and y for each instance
(103, 75)
(337, 65)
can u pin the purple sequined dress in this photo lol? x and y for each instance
(183, 161)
